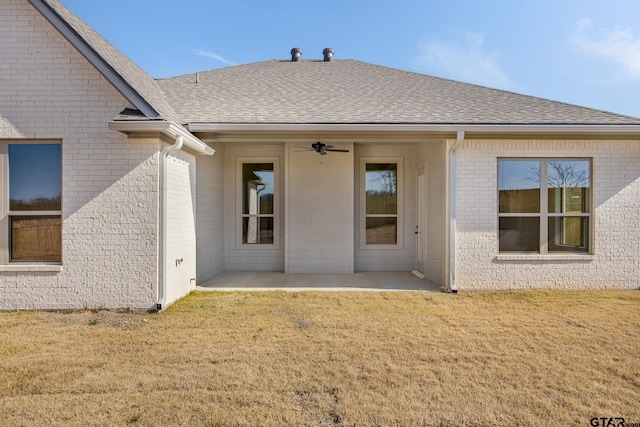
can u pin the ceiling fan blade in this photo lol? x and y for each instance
(301, 149)
(337, 150)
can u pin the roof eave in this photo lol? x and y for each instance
(165, 128)
(94, 58)
(479, 130)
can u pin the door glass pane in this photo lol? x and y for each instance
(519, 186)
(382, 231)
(35, 177)
(257, 230)
(519, 234)
(36, 238)
(569, 184)
(257, 188)
(568, 234)
(381, 188)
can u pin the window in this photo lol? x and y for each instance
(31, 216)
(258, 203)
(382, 202)
(544, 205)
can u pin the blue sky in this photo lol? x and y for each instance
(584, 52)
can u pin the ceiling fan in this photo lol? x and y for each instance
(322, 149)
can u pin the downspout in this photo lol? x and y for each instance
(452, 211)
(162, 229)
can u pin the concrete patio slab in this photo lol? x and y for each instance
(264, 281)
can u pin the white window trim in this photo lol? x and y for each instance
(277, 191)
(399, 161)
(6, 264)
(544, 215)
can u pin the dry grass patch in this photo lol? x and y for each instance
(276, 358)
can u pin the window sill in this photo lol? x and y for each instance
(29, 268)
(545, 258)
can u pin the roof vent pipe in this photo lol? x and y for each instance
(328, 54)
(296, 54)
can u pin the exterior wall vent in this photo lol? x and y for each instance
(328, 54)
(296, 54)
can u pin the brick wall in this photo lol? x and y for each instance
(616, 236)
(181, 225)
(110, 199)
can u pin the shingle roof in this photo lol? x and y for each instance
(349, 91)
(340, 91)
(141, 82)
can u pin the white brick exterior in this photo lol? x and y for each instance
(181, 225)
(111, 200)
(110, 185)
(615, 262)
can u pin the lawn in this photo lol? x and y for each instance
(329, 358)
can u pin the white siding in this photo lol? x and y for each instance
(240, 257)
(401, 257)
(616, 193)
(110, 198)
(210, 218)
(319, 213)
(433, 155)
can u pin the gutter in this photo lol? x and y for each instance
(164, 179)
(169, 129)
(183, 140)
(632, 130)
(452, 211)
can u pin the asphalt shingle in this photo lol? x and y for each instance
(349, 91)
(335, 92)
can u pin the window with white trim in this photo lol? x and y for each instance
(544, 205)
(31, 205)
(381, 202)
(258, 202)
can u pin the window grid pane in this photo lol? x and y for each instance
(381, 188)
(381, 230)
(257, 188)
(36, 238)
(519, 234)
(35, 177)
(568, 234)
(257, 230)
(519, 186)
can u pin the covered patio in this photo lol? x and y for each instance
(363, 281)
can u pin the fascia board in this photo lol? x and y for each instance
(630, 130)
(95, 59)
(168, 129)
